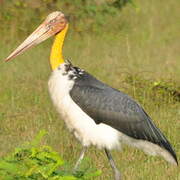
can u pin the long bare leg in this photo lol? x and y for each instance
(80, 158)
(117, 175)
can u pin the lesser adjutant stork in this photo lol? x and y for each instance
(96, 113)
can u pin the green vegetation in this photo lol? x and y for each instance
(135, 50)
(18, 13)
(32, 161)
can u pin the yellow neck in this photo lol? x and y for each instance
(56, 57)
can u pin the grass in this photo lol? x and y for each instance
(140, 44)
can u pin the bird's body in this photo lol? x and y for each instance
(96, 113)
(103, 116)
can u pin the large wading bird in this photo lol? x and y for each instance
(96, 113)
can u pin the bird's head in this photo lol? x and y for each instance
(54, 23)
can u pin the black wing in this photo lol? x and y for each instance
(116, 109)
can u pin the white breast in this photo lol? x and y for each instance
(77, 121)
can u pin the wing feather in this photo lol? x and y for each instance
(116, 109)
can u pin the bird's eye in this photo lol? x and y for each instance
(53, 20)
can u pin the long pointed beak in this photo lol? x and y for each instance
(47, 29)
